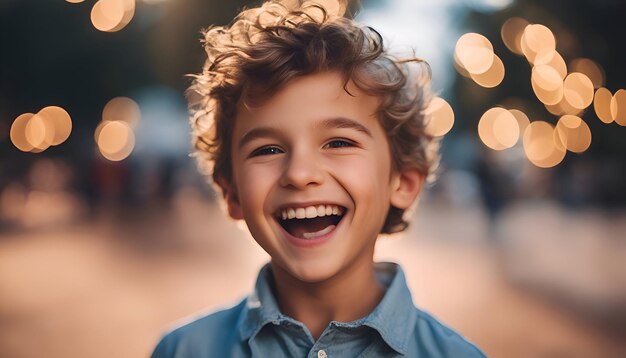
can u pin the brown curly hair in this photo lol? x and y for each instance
(266, 47)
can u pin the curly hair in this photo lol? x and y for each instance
(266, 47)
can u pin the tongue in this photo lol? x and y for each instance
(298, 227)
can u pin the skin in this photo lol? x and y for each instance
(293, 150)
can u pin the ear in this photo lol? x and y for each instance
(231, 198)
(405, 187)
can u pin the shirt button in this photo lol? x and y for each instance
(321, 354)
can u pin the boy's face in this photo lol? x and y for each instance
(309, 149)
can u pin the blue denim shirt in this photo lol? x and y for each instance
(257, 328)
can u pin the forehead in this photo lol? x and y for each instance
(310, 98)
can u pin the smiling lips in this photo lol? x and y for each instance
(310, 222)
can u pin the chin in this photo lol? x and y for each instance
(313, 270)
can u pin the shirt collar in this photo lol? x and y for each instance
(393, 318)
(261, 306)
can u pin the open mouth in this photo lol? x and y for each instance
(310, 222)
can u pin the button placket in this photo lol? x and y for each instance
(322, 354)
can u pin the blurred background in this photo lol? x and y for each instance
(109, 236)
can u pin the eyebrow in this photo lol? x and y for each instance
(259, 132)
(337, 122)
(342, 122)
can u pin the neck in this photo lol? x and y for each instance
(349, 295)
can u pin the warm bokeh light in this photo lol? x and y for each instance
(511, 32)
(602, 104)
(547, 84)
(122, 109)
(522, 119)
(535, 39)
(574, 133)
(112, 15)
(39, 132)
(474, 52)
(493, 76)
(60, 121)
(74, 1)
(591, 69)
(115, 140)
(18, 132)
(498, 129)
(563, 107)
(441, 117)
(541, 145)
(459, 67)
(553, 59)
(618, 107)
(578, 90)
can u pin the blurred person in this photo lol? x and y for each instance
(315, 136)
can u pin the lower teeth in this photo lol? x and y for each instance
(312, 235)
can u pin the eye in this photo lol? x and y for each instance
(339, 143)
(266, 151)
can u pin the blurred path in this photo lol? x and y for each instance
(110, 288)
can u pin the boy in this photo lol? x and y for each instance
(315, 136)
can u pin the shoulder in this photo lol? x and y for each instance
(435, 339)
(203, 335)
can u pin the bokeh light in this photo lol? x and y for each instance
(618, 107)
(60, 121)
(553, 59)
(498, 128)
(441, 117)
(547, 84)
(493, 76)
(591, 69)
(115, 140)
(474, 52)
(18, 132)
(563, 107)
(112, 15)
(39, 132)
(578, 90)
(459, 67)
(535, 39)
(511, 32)
(574, 133)
(122, 109)
(542, 146)
(522, 119)
(602, 104)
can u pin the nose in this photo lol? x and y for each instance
(301, 170)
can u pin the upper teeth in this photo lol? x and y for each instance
(311, 212)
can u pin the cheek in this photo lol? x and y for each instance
(254, 183)
(365, 177)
